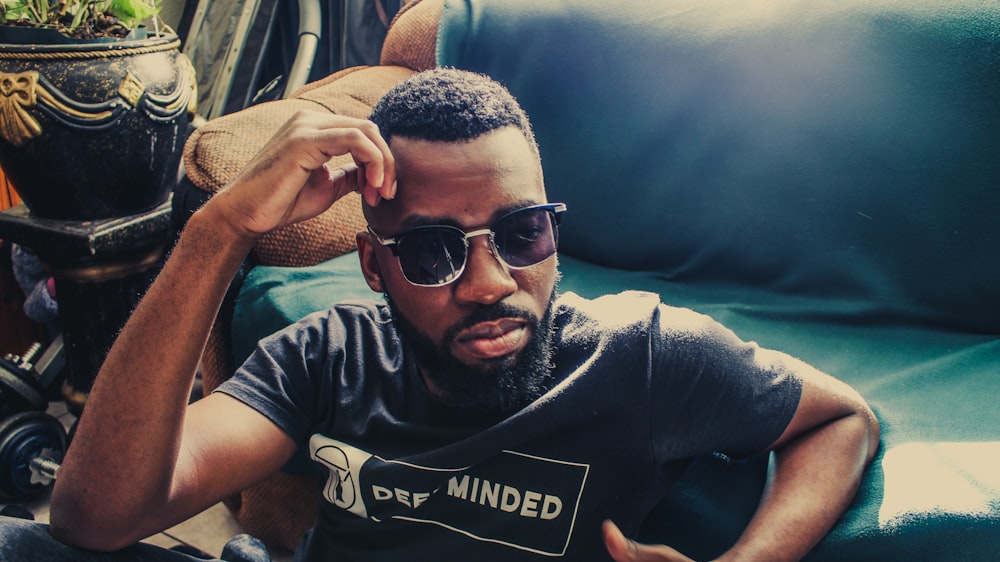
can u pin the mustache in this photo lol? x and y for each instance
(489, 313)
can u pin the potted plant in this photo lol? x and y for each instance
(94, 106)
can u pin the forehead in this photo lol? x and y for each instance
(466, 183)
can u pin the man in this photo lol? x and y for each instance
(476, 414)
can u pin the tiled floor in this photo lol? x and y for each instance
(208, 531)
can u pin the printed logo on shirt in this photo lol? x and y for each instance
(522, 501)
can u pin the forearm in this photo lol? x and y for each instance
(814, 479)
(121, 465)
(129, 471)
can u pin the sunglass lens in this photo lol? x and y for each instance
(432, 256)
(526, 237)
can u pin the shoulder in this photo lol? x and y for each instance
(619, 310)
(638, 318)
(336, 325)
(348, 314)
(362, 312)
(629, 311)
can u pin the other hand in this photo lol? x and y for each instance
(622, 549)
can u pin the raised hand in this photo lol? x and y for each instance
(289, 180)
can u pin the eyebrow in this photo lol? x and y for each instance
(417, 220)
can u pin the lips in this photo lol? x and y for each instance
(490, 340)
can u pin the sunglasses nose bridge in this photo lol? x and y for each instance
(491, 243)
(484, 279)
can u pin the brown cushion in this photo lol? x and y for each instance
(412, 37)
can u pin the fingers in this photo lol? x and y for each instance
(310, 139)
(375, 173)
(289, 180)
(623, 549)
(379, 167)
(351, 177)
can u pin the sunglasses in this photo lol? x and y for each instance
(436, 255)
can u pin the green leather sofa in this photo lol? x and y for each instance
(822, 176)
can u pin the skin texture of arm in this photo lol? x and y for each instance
(818, 464)
(142, 460)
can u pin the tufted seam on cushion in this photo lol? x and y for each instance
(356, 94)
(322, 82)
(412, 37)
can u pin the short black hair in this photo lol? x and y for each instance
(447, 104)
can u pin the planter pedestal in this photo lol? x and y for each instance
(101, 269)
(91, 136)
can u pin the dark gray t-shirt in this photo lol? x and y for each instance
(641, 389)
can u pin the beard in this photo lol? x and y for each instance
(497, 386)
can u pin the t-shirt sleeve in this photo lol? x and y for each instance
(277, 379)
(713, 392)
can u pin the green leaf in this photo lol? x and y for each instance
(14, 10)
(133, 12)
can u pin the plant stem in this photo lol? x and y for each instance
(78, 17)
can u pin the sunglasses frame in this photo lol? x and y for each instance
(554, 210)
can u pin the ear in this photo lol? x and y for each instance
(369, 262)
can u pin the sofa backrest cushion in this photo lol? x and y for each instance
(846, 149)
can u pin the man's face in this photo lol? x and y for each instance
(483, 339)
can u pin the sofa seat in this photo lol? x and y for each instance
(819, 175)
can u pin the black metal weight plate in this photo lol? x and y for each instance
(23, 437)
(17, 392)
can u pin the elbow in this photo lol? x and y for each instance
(860, 424)
(86, 537)
(82, 525)
(75, 536)
(861, 433)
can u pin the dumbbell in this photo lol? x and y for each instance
(32, 442)
(19, 390)
(25, 383)
(32, 445)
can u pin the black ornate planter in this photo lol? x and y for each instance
(95, 130)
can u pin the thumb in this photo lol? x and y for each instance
(622, 549)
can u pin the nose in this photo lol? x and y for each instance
(486, 279)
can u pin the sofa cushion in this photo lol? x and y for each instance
(412, 38)
(841, 149)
